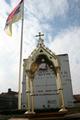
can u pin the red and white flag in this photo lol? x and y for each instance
(13, 17)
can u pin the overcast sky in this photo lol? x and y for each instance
(59, 20)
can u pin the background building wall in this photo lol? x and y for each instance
(66, 80)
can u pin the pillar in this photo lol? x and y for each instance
(60, 90)
(32, 96)
(28, 92)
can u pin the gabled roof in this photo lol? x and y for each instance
(41, 49)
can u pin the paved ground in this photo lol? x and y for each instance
(19, 119)
(66, 117)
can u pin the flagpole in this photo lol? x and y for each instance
(20, 62)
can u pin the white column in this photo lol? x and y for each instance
(60, 90)
(29, 95)
(28, 92)
(32, 96)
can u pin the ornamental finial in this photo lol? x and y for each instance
(40, 41)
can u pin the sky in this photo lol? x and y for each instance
(59, 20)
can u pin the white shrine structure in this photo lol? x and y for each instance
(46, 80)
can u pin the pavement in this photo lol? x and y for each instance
(46, 116)
(66, 117)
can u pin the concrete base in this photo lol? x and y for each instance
(29, 113)
(63, 110)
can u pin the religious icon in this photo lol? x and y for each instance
(34, 67)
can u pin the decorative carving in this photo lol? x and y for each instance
(33, 68)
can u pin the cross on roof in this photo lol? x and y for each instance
(39, 35)
(40, 41)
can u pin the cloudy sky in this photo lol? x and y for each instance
(59, 20)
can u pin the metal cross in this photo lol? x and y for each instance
(39, 35)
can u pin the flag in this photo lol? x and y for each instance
(13, 17)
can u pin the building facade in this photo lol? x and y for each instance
(9, 101)
(46, 80)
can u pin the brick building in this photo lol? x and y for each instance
(9, 100)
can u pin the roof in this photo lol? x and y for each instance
(77, 98)
(10, 92)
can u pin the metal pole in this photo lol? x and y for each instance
(20, 62)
